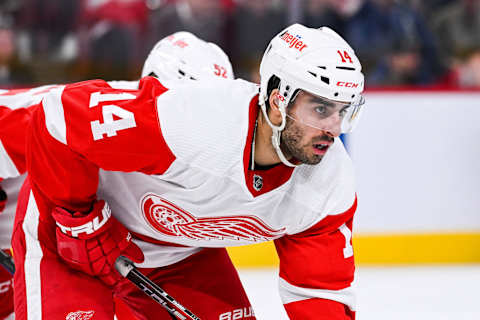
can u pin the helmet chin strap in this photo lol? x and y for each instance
(276, 136)
(277, 132)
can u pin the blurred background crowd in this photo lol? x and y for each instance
(399, 42)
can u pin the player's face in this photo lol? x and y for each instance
(312, 124)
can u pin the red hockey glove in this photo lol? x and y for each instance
(91, 243)
(3, 199)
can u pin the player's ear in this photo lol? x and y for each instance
(273, 112)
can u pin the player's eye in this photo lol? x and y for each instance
(322, 110)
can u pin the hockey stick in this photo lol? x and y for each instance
(126, 268)
(7, 262)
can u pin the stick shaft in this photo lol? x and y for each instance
(126, 268)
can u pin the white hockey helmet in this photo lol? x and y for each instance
(318, 61)
(184, 56)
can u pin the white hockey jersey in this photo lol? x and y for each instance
(172, 160)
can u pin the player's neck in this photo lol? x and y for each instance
(264, 153)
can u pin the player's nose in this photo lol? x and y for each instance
(333, 125)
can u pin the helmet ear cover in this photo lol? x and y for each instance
(273, 83)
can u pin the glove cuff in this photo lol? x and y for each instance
(88, 226)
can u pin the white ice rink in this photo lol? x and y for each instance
(390, 293)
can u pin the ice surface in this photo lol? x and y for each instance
(393, 293)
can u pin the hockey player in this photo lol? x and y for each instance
(179, 56)
(171, 173)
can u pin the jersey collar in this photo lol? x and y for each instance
(261, 181)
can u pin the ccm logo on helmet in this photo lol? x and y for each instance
(294, 41)
(347, 84)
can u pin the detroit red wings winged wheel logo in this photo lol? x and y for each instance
(171, 220)
(80, 315)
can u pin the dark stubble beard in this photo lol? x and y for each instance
(291, 144)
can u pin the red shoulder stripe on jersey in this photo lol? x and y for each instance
(141, 148)
(68, 173)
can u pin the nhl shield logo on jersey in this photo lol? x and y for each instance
(257, 182)
(170, 220)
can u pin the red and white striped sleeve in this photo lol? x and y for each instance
(12, 141)
(82, 127)
(317, 269)
(15, 111)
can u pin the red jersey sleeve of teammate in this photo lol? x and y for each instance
(82, 127)
(13, 124)
(317, 269)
